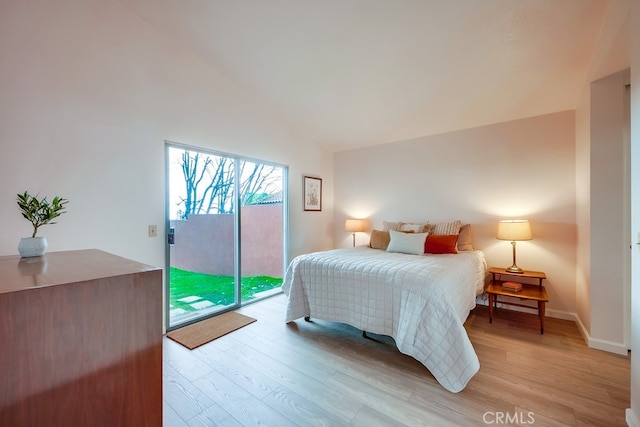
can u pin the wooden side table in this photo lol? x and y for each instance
(531, 292)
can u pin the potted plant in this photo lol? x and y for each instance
(38, 212)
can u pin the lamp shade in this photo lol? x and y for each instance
(514, 230)
(355, 225)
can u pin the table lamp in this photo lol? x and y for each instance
(355, 225)
(514, 230)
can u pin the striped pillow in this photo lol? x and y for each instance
(388, 225)
(445, 228)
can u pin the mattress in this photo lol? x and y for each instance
(421, 301)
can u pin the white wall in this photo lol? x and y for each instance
(518, 169)
(583, 211)
(600, 292)
(88, 95)
(633, 414)
(609, 233)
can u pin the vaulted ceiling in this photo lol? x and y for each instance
(351, 73)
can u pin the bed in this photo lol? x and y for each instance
(421, 301)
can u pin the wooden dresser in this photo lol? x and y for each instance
(80, 341)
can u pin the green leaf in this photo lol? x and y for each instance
(40, 212)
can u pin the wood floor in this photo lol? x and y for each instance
(326, 374)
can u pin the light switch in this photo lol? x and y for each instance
(153, 231)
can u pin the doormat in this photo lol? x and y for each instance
(195, 335)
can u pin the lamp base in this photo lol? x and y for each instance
(514, 269)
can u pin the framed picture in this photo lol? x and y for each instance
(312, 194)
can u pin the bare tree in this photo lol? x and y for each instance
(259, 183)
(209, 183)
(193, 175)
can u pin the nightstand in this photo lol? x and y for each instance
(531, 292)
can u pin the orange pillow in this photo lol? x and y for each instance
(441, 244)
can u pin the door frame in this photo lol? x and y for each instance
(237, 229)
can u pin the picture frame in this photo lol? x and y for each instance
(312, 196)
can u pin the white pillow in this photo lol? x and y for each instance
(414, 228)
(407, 243)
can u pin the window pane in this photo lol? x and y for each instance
(261, 228)
(201, 211)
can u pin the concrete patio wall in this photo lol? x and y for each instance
(205, 243)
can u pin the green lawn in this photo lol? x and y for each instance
(217, 289)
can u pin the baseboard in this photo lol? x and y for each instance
(564, 315)
(611, 347)
(557, 314)
(631, 418)
(604, 345)
(583, 329)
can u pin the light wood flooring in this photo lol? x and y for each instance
(326, 374)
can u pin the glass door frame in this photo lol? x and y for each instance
(237, 228)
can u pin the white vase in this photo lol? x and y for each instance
(32, 246)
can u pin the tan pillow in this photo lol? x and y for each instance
(464, 238)
(379, 239)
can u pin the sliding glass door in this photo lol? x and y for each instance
(226, 223)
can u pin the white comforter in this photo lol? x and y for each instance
(420, 301)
